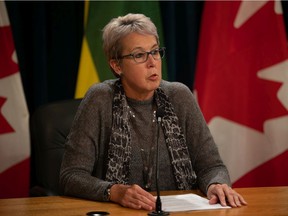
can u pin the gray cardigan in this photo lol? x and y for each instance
(84, 162)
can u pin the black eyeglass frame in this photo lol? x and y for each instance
(161, 51)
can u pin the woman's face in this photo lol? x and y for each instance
(139, 80)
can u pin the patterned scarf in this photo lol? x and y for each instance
(119, 149)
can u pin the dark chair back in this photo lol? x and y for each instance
(49, 127)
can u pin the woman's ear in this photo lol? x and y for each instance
(115, 65)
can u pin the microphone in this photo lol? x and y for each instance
(158, 211)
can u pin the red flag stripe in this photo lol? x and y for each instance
(14, 119)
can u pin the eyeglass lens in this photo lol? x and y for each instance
(143, 56)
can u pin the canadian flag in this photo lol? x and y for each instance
(241, 85)
(14, 119)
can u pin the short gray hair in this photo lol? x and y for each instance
(121, 26)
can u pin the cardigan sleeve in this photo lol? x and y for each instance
(81, 172)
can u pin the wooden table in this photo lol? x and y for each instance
(261, 201)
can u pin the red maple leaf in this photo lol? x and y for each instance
(7, 65)
(4, 125)
(227, 82)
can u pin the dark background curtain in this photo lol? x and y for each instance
(181, 23)
(47, 37)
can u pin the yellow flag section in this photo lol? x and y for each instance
(87, 74)
(93, 66)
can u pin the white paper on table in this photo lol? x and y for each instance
(187, 202)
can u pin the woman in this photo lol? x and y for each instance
(110, 151)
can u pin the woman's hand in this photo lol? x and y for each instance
(225, 195)
(132, 196)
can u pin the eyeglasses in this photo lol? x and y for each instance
(141, 57)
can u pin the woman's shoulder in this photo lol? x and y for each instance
(172, 88)
(102, 89)
(103, 86)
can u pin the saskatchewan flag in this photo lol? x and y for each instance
(93, 65)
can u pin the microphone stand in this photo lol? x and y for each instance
(158, 210)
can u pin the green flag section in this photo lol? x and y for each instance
(93, 66)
